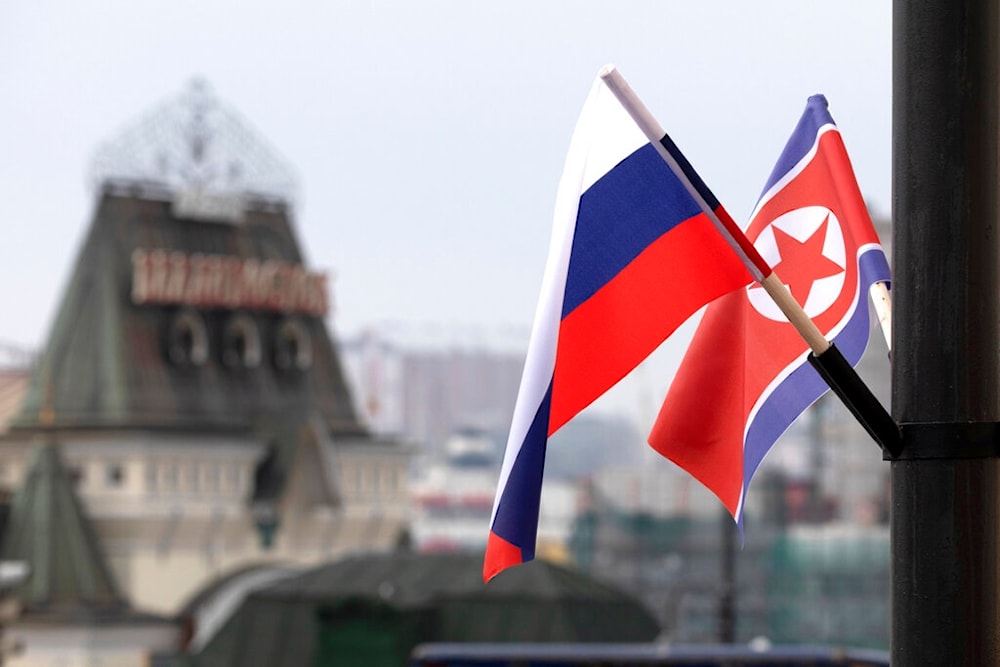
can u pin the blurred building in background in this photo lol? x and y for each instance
(424, 391)
(453, 397)
(188, 416)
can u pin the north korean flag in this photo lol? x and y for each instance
(745, 377)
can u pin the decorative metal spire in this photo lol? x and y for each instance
(192, 142)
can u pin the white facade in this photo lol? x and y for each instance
(453, 502)
(40, 645)
(173, 514)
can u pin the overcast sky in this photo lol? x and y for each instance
(428, 137)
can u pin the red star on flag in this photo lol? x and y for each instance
(803, 262)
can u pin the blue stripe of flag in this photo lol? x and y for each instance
(516, 517)
(690, 173)
(803, 386)
(815, 116)
(624, 212)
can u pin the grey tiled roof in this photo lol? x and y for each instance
(105, 365)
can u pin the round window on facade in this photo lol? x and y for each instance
(187, 340)
(241, 343)
(292, 347)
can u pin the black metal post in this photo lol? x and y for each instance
(946, 349)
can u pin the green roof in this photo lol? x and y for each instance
(417, 598)
(48, 530)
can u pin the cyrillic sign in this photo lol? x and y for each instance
(223, 281)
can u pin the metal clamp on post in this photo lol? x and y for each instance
(944, 440)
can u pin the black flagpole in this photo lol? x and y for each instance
(946, 347)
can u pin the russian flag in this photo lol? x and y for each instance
(636, 249)
(745, 377)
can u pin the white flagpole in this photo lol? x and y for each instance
(825, 358)
(883, 309)
(768, 280)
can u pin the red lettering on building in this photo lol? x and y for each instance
(220, 281)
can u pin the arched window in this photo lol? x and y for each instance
(292, 347)
(241, 343)
(187, 340)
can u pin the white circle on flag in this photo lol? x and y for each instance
(801, 224)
